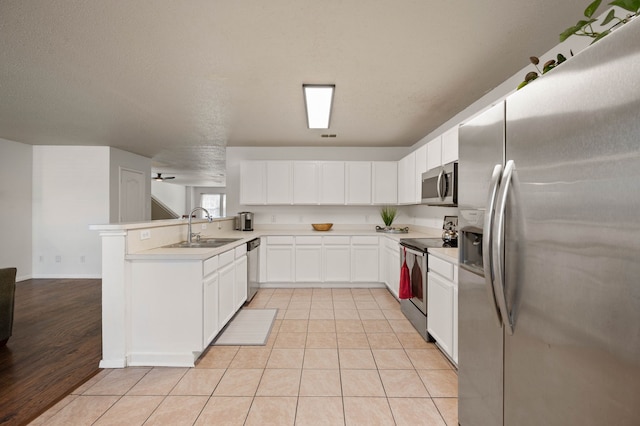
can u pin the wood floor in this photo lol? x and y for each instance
(56, 346)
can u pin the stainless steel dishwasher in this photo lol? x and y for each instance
(253, 268)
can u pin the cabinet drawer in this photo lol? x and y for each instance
(441, 267)
(390, 244)
(342, 240)
(240, 250)
(364, 240)
(210, 265)
(308, 240)
(225, 258)
(280, 240)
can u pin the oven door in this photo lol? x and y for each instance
(417, 263)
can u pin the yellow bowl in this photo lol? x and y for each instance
(322, 226)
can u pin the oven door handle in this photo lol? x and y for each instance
(417, 253)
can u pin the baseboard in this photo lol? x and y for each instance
(23, 278)
(322, 285)
(66, 276)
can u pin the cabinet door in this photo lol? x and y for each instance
(406, 176)
(455, 324)
(434, 153)
(253, 188)
(280, 263)
(358, 182)
(226, 284)
(440, 308)
(332, 182)
(385, 182)
(308, 263)
(421, 167)
(305, 182)
(279, 182)
(337, 263)
(393, 269)
(450, 146)
(364, 263)
(210, 309)
(240, 290)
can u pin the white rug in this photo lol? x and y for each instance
(248, 327)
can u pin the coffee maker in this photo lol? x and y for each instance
(244, 221)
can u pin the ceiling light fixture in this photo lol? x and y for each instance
(318, 99)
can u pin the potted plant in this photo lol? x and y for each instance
(585, 28)
(388, 215)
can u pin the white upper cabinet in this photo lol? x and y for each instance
(306, 182)
(253, 189)
(332, 182)
(443, 149)
(279, 182)
(406, 179)
(358, 182)
(450, 145)
(434, 153)
(385, 182)
(421, 167)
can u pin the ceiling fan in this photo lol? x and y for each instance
(160, 178)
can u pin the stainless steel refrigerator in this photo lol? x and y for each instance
(549, 282)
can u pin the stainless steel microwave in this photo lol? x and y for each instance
(440, 186)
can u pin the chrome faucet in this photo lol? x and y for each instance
(209, 218)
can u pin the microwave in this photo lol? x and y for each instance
(440, 186)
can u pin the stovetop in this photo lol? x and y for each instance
(422, 244)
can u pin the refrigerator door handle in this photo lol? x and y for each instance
(497, 244)
(487, 259)
(439, 184)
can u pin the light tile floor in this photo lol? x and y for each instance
(334, 357)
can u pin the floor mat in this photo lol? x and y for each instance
(248, 327)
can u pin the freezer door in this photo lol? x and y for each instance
(572, 251)
(480, 342)
(481, 147)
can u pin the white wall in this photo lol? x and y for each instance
(122, 159)
(70, 192)
(171, 195)
(15, 207)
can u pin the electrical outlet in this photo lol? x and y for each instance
(82, 259)
(366, 218)
(58, 259)
(145, 234)
(219, 225)
(273, 219)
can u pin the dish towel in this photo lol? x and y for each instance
(404, 291)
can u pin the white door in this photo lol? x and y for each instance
(132, 196)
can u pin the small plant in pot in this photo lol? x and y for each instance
(388, 215)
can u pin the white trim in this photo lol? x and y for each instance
(112, 363)
(166, 359)
(303, 285)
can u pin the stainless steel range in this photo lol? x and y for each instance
(414, 250)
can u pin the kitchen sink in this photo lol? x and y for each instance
(204, 243)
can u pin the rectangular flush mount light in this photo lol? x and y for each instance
(318, 99)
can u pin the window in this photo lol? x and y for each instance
(216, 204)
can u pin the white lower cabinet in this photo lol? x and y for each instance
(455, 324)
(226, 285)
(337, 259)
(364, 259)
(210, 309)
(308, 264)
(390, 264)
(442, 305)
(240, 288)
(280, 259)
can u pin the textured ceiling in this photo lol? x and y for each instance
(177, 80)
